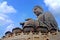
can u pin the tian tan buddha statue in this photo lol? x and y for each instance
(46, 20)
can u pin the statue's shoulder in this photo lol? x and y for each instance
(49, 17)
(48, 13)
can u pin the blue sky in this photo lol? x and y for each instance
(12, 12)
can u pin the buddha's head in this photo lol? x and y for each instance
(37, 10)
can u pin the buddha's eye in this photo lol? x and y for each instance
(35, 8)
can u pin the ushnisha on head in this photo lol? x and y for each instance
(38, 10)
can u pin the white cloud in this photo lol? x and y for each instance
(53, 6)
(10, 27)
(5, 8)
(5, 20)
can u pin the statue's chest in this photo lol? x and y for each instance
(41, 17)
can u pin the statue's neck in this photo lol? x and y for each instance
(39, 14)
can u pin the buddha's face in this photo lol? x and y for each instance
(37, 11)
